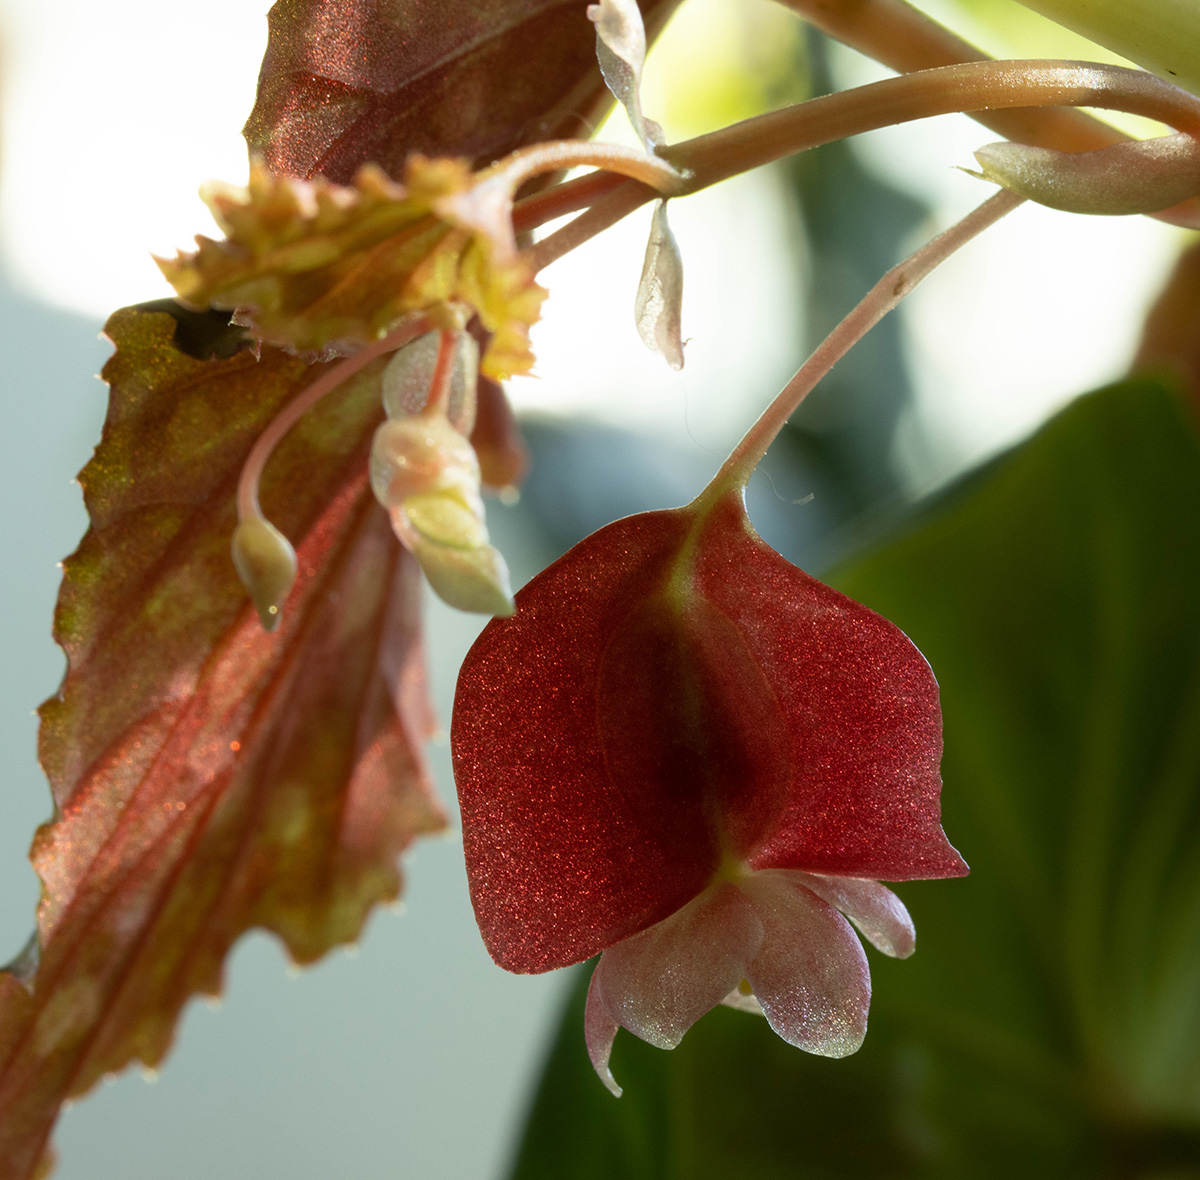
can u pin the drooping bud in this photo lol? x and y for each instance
(266, 563)
(425, 473)
(1138, 176)
(408, 379)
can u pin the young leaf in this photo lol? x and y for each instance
(209, 776)
(451, 77)
(317, 267)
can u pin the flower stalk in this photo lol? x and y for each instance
(885, 295)
(263, 556)
(964, 88)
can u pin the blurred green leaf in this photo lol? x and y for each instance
(1049, 1024)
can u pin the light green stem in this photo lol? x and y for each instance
(886, 294)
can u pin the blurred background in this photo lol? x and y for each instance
(414, 1054)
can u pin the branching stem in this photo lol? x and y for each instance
(247, 493)
(967, 87)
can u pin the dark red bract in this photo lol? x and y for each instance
(670, 697)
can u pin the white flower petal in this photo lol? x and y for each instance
(660, 982)
(811, 976)
(743, 1001)
(877, 912)
(600, 1030)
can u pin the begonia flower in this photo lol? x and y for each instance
(689, 755)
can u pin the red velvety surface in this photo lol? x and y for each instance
(862, 706)
(629, 726)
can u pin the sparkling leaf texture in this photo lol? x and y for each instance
(671, 694)
(346, 82)
(317, 267)
(207, 776)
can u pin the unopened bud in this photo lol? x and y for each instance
(474, 579)
(408, 379)
(427, 476)
(266, 563)
(1138, 176)
(419, 454)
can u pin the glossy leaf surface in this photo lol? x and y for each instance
(349, 82)
(1049, 1022)
(671, 692)
(208, 776)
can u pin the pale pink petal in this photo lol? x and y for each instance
(660, 982)
(811, 975)
(600, 1030)
(873, 908)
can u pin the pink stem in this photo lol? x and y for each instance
(964, 88)
(885, 295)
(558, 155)
(443, 369)
(329, 380)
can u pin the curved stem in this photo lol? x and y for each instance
(329, 380)
(901, 37)
(971, 86)
(568, 197)
(964, 88)
(884, 296)
(559, 155)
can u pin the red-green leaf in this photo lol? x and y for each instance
(208, 776)
(669, 695)
(349, 82)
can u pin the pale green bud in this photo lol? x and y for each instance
(266, 563)
(427, 476)
(1139, 176)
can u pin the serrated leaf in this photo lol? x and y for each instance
(1049, 1022)
(348, 82)
(209, 777)
(319, 268)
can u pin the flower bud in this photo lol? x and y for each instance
(425, 473)
(266, 563)
(1138, 176)
(409, 376)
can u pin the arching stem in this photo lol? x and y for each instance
(329, 380)
(964, 88)
(884, 296)
(559, 155)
